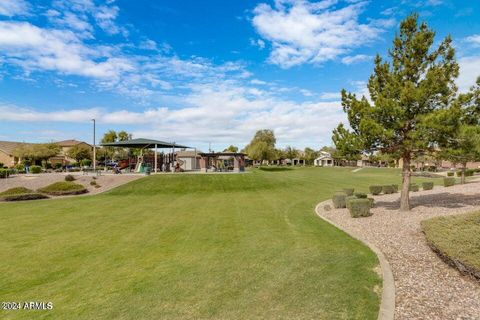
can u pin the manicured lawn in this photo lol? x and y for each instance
(457, 237)
(192, 246)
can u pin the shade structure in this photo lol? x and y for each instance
(144, 143)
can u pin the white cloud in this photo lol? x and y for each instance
(474, 39)
(469, 72)
(34, 48)
(12, 8)
(313, 32)
(356, 58)
(223, 111)
(258, 82)
(330, 95)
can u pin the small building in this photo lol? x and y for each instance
(222, 161)
(188, 160)
(324, 160)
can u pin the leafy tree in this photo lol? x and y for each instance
(348, 145)
(417, 81)
(291, 153)
(37, 152)
(262, 146)
(123, 136)
(231, 148)
(310, 155)
(79, 152)
(463, 142)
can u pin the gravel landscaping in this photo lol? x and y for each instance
(37, 181)
(425, 286)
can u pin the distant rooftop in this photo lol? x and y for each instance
(144, 143)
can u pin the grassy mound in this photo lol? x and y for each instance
(20, 194)
(456, 239)
(63, 188)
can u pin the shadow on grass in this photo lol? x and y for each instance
(443, 200)
(273, 169)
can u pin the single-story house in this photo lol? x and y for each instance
(324, 160)
(65, 146)
(9, 160)
(6, 152)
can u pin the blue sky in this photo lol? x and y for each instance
(200, 72)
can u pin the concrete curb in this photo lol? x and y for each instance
(387, 305)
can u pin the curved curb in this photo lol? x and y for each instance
(387, 304)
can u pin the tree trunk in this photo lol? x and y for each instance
(405, 195)
(464, 168)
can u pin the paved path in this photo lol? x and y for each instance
(425, 287)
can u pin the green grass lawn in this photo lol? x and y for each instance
(457, 237)
(244, 246)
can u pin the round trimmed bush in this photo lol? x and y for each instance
(63, 188)
(469, 173)
(361, 195)
(395, 188)
(348, 191)
(375, 190)
(339, 200)
(372, 202)
(414, 187)
(448, 182)
(35, 169)
(427, 185)
(69, 177)
(388, 189)
(360, 208)
(93, 183)
(347, 200)
(450, 174)
(4, 173)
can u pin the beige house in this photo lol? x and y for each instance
(9, 160)
(6, 152)
(65, 146)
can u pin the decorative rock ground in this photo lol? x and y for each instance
(425, 287)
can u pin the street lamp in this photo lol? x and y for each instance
(94, 148)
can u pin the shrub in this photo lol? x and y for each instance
(459, 173)
(388, 189)
(69, 177)
(469, 173)
(427, 185)
(360, 208)
(448, 182)
(395, 188)
(86, 162)
(347, 200)
(339, 200)
(58, 165)
(4, 173)
(375, 190)
(348, 191)
(360, 195)
(97, 186)
(93, 183)
(35, 169)
(372, 202)
(450, 174)
(63, 188)
(414, 187)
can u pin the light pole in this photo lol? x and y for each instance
(94, 148)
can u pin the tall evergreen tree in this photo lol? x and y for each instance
(416, 81)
